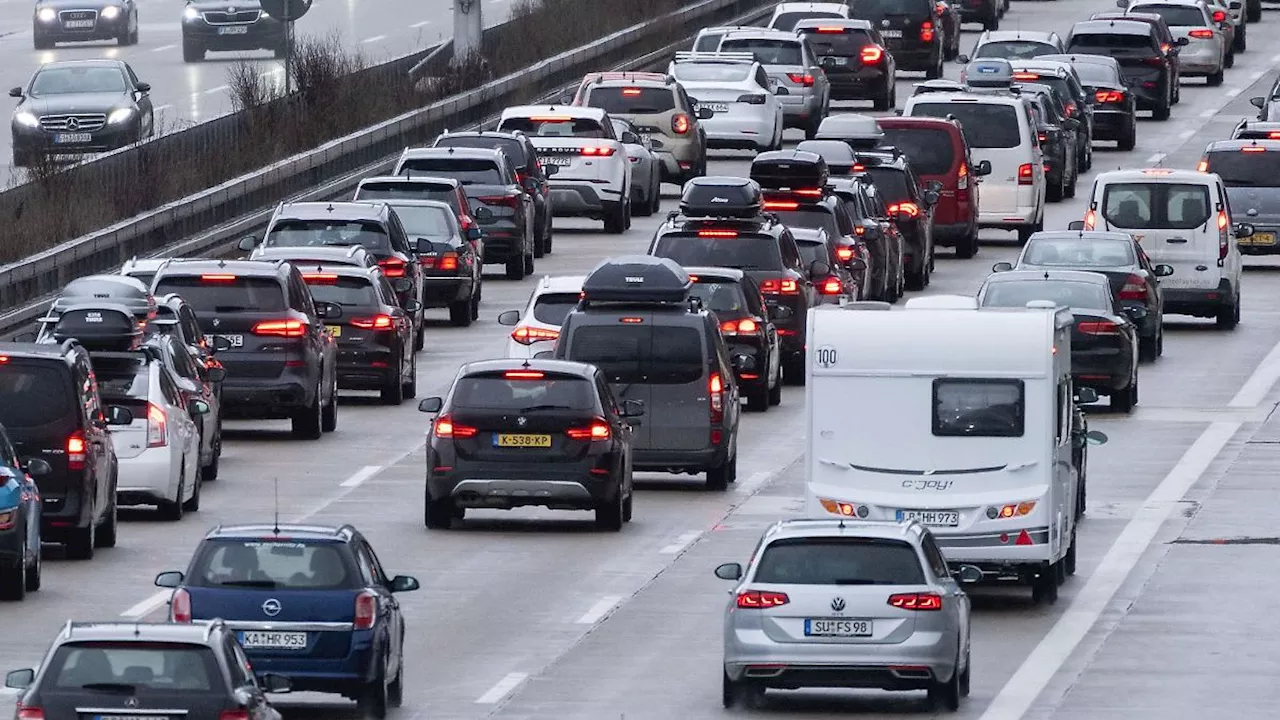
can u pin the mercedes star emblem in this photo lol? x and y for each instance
(231, 11)
(131, 702)
(837, 604)
(271, 607)
(73, 124)
(521, 421)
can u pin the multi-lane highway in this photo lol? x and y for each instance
(536, 615)
(186, 93)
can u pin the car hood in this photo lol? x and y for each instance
(1255, 204)
(87, 103)
(222, 5)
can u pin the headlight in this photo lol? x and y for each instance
(47, 14)
(110, 12)
(26, 118)
(119, 116)
(191, 14)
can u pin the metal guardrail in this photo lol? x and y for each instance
(212, 220)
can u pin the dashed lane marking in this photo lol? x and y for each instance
(681, 542)
(148, 606)
(361, 475)
(163, 48)
(502, 688)
(599, 610)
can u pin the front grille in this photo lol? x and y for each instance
(79, 15)
(83, 122)
(240, 17)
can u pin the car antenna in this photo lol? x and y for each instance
(841, 523)
(275, 490)
(526, 364)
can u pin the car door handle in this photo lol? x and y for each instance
(1177, 240)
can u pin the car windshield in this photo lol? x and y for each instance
(217, 294)
(1014, 49)
(746, 252)
(891, 183)
(813, 217)
(1103, 43)
(340, 289)
(1017, 293)
(33, 393)
(429, 221)
(1246, 169)
(640, 353)
(552, 308)
(787, 20)
(766, 51)
(1155, 206)
(323, 233)
(274, 564)
(1174, 15)
(720, 296)
(632, 100)
(513, 149)
(847, 43)
(141, 668)
(406, 191)
(494, 391)
(875, 10)
(985, 125)
(931, 152)
(1078, 252)
(553, 126)
(839, 561)
(468, 171)
(712, 72)
(73, 80)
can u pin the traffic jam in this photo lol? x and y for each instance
(788, 235)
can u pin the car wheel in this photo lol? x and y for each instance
(460, 313)
(729, 691)
(373, 700)
(104, 536)
(395, 691)
(1216, 79)
(1044, 589)
(1148, 348)
(775, 392)
(528, 263)
(172, 510)
(1231, 59)
(718, 478)
(1124, 400)
(615, 218)
(628, 507)
(515, 268)
(966, 675)
(609, 514)
(307, 421)
(947, 694)
(329, 416)
(210, 471)
(758, 397)
(1229, 315)
(411, 385)
(13, 581)
(1069, 562)
(193, 505)
(393, 387)
(192, 51)
(475, 300)
(31, 576)
(1242, 41)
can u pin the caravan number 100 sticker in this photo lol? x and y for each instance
(825, 356)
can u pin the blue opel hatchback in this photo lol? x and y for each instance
(311, 603)
(19, 522)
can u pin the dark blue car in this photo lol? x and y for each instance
(19, 522)
(311, 603)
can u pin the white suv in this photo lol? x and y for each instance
(538, 325)
(594, 176)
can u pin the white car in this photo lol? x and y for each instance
(594, 176)
(1205, 53)
(537, 327)
(742, 97)
(709, 38)
(646, 168)
(787, 14)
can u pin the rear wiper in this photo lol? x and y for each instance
(269, 584)
(230, 308)
(111, 687)
(536, 408)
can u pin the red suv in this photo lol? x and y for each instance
(937, 151)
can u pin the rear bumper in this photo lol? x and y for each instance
(148, 478)
(440, 292)
(996, 548)
(749, 654)
(678, 461)
(578, 198)
(917, 58)
(566, 485)
(274, 398)
(800, 107)
(1112, 125)
(1200, 59)
(342, 675)
(1198, 302)
(1103, 369)
(365, 368)
(861, 85)
(739, 133)
(1018, 217)
(952, 233)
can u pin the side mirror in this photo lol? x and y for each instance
(36, 467)
(117, 415)
(632, 408)
(510, 318)
(629, 138)
(404, 583)
(411, 305)
(15, 92)
(20, 679)
(169, 579)
(1002, 267)
(474, 233)
(1086, 396)
(1134, 313)
(328, 311)
(550, 170)
(144, 88)
(781, 90)
(1075, 225)
(743, 362)
(729, 571)
(402, 285)
(273, 683)
(962, 59)
(934, 186)
(1183, 42)
(1122, 4)
(423, 246)
(968, 574)
(530, 185)
(1096, 437)
(248, 243)
(216, 374)
(819, 269)
(1164, 270)
(220, 343)
(483, 215)
(198, 407)
(431, 405)
(708, 113)
(1235, 5)
(1258, 102)
(930, 197)
(1244, 230)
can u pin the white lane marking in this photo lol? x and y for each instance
(502, 688)
(681, 543)
(1255, 389)
(1186, 134)
(148, 606)
(1209, 113)
(216, 90)
(374, 39)
(1234, 92)
(162, 48)
(1155, 158)
(1257, 76)
(420, 23)
(1275, 59)
(361, 475)
(599, 610)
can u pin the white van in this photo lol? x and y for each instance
(1183, 219)
(999, 129)
(973, 439)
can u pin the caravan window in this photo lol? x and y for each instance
(978, 407)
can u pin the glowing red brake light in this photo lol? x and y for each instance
(4, 359)
(524, 375)
(180, 606)
(446, 261)
(1224, 241)
(529, 335)
(680, 124)
(718, 233)
(320, 278)
(1042, 137)
(916, 601)
(926, 32)
(377, 322)
(157, 426)
(779, 205)
(234, 715)
(1109, 96)
(366, 611)
(29, 713)
(217, 278)
(551, 118)
(845, 253)
(1135, 288)
(597, 431)
(631, 92)
(1202, 34)
(1252, 149)
(1026, 174)
(906, 208)
(871, 54)
(830, 30)
(281, 328)
(1090, 220)
(746, 326)
(392, 267)
(1026, 76)
(804, 79)
(445, 428)
(779, 287)
(1103, 327)
(760, 599)
(597, 151)
(1273, 136)
(1218, 16)
(715, 387)
(832, 286)
(75, 451)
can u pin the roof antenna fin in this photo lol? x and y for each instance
(275, 491)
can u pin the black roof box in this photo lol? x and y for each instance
(721, 197)
(130, 292)
(637, 279)
(99, 326)
(790, 170)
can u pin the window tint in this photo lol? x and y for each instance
(720, 297)
(787, 21)
(814, 217)
(637, 353)
(931, 152)
(555, 127)
(243, 294)
(978, 407)
(892, 184)
(1071, 294)
(1156, 206)
(495, 392)
(707, 42)
(708, 72)
(876, 9)
(842, 44)
(1015, 50)
(1073, 252)
(1174, 15)
(426, 221)
(345, 291)
(632, 100)
(812, 251)
(1249, 169)
(1057, 84)
(328, 233)
(407, 191)
(1100, 44)
(513, 149)
(72, 80)
(466, 171)
(122, 378)
(150, 667)
(985, 125)
(752, 252)
(839, 561)
(273, 564)
(766, 52)
(1096, 74)
(553, 307)
(33, 394)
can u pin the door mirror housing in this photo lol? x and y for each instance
(629, 138)
(781, 90)
(431, 405)
(1258, 102)
(779, 312)
(328, 311)
(423, 246)
(36, 467)
(550, 170)
(632, 408)
(411, 305)
(819, 269)
(529, 184)
(729, 571)
(483, 215)
(1134, 313)
(15, 92)
(1244, 230)
(743, 362)
(216, 374)
(198, 407)
(1183, 42)
(474, 233)
(1086, 395)
(1122, 4)
(277, 684)
(117, 415)
(983, 168)
(20, 679)
(1075, 225)
(1002, 267)
(1164, 270)
(144, 88)
(930, 197)
(510, 318)
(967, 574)
(248, 243)
(962, 59)
(544, 355)
(934, 186)
(402, 285)
(220, 343)
(404, 583)
(1096, 437)
(169, 579)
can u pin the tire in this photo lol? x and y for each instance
(1129, 140)
(934, 72)
(395, 691)
(515, 268)
(528, 264)
(192, 51)
(885, 102)
(1124, 400)
(729, 691)
(538, 249)
(1162, 112)
(104, 536)
(438, 514)
(80, 542)
(1054, 193)
(210, 471)
(410, 390)
(393, 387)
(947, 695)
(1069, 562)
(1024, 233)
(628, 507)
(172, 511)
(31, 576)
(609, 514)
(793, 370)
(40, 43)
(193, 505)
(1231, 59)
(775, 393)
(307, 421)
(1216, 79)
(329, 415)
(1253, 11)
(968, 245)
(420, 337)
(475, 303)
(1148, 348)
(374, 698)
(13, 582)
(966, 675)
(758, 397)
(1229, 316)
(460, 313)
(615, 218)
(718, 478)
(1242, 40)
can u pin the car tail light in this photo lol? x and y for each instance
(511, 201)
(1158, 61)
(1201, 34)
(916, 601)
(1026, 76)
(680, 123)
(745, 326)
(1109, 96)
(845, 253)
(234, 715)
(1202, 166)
(780, 205)
(1101, 327)
(752, 99)
(445, 428)
(926, 32)
(180, 606)
(596, 151)
(830, 30)
(1026, 174)
(597, 431)
(1253, 149)
(962, 182)
(377, 322)
(871, 54)
(1042, 137)
(1218, 16)
(831, 286)
(718, 233)
(29, 713)
(715, 388)
(447, 261)
(320, 278)
(366, 611)
(1135, 288)
(526, 335)
(217, 278)
(1224, 240)
(392, 267)
(909, 209)
(1090, 219)
(157, 426)
(779, 287)
(804, 79)
(1273, 136)
(759, 599)
(281, 328)
(75, 451)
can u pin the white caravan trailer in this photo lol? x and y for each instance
(955, 416)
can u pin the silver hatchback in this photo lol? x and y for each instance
(829, 604)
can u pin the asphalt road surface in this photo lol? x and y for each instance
(534, 615)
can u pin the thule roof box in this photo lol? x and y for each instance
(99, 326)
(640, 279)
(860, 131)
(724, 57)
(726, 197)
(989, 73)
(790, 170)
(124, 290)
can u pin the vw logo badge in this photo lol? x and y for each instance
(73, 124)
(522, 421)
(837, 604)
(131, 702)
(271, 607)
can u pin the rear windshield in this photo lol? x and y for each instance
(639, 353)
(844, 44)
(708, 42)
(1174, 15)
(218, 295)
(122, 378)
(1059, 85)
(766, 52)
(812, 251)
(787, 21)
(273, 564)
(468, 171)
(1018, 293)
(408, 191)
(720, 297)
(839, 561)
(1096, 74)
(1015, 49)
(892, 184)
(1156, 206)
(1102, 44)
(553, 307)
(877, 9)
(556, 127)
(324, 233)
(931, 152)
(632, 100)
(33, 393)
(1246, 169)
(709, 72)
(1075, 252)
(145, 667)
(815, 218)
(425, 220)
(513, 149)
(749, 252)
(522, 395)
(345, 291)
(985, 125)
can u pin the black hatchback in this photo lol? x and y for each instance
(912, 29)
(1149, 70)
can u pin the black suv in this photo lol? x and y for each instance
(127, 669)
(1056, 135)
(1148, 68)
(910, 205)
(280, 361)
(530, 174)
(855, 59)
(912, 28)
(740, 309)
(50, 405)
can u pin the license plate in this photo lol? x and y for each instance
(841, 61)
(522, 441)
(239, 30)
(715, 107)
(891, 33)
(933, 518)
(1259, 238)
(279, 640)
(561, 160)
(334, 330)
(70, 138)
(836, 627)
(235, 340)
(74, 24)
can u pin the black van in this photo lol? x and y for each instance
(637, 323)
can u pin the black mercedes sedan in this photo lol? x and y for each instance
(61, 21)
(80, 106)
(229, 26)
(1104, 341)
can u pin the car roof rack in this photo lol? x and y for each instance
(637, 280)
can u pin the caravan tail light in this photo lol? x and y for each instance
(597, 431)
(680, 124)
(597, 151)
(926, 32)
(745, 326)
(180, 606)
(157, 426)
(1224, 237)
(715, 388)
(445, 428)
(916, 601)
(760, 599)
(366, 611)
(1101, 327)
(1005, 512)
(779, 287)
(1026, 174)
(75, 451)
(376, 322)
(1135, 288)
(281, 328)
(871, 54)
(529, 335)
(392, 267)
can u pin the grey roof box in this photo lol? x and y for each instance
(790, 170)
(726, 197)
(99, 326)
(641, 279)
(130, 292)
(836, 153)
(860, 131)
(989, 73)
